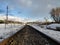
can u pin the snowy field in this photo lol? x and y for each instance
(53, 26)
(9, 30)
(51, 33)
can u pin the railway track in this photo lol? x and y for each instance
(28, 36)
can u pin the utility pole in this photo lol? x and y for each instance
(6, 21)
(7, 16)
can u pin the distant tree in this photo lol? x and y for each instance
(55, 14)
(1, 21)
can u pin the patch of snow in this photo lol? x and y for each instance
(51, 33)
(53, 26)
(9, 30)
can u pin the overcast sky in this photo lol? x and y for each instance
(32, 9)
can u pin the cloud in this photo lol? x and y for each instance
(15, 18)
(50, 6)
(12, 18)
(38, 7)
(23, 3)
(34, 7)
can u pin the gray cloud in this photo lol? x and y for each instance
(38, 7)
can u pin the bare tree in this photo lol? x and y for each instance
(55, 14)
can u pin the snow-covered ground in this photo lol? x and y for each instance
(9, 30)
(53, 26)
(51, 33)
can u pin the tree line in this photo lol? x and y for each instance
(3, 21)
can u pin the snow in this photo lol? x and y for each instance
(51, 33)
(53, 26)
(9, 30)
